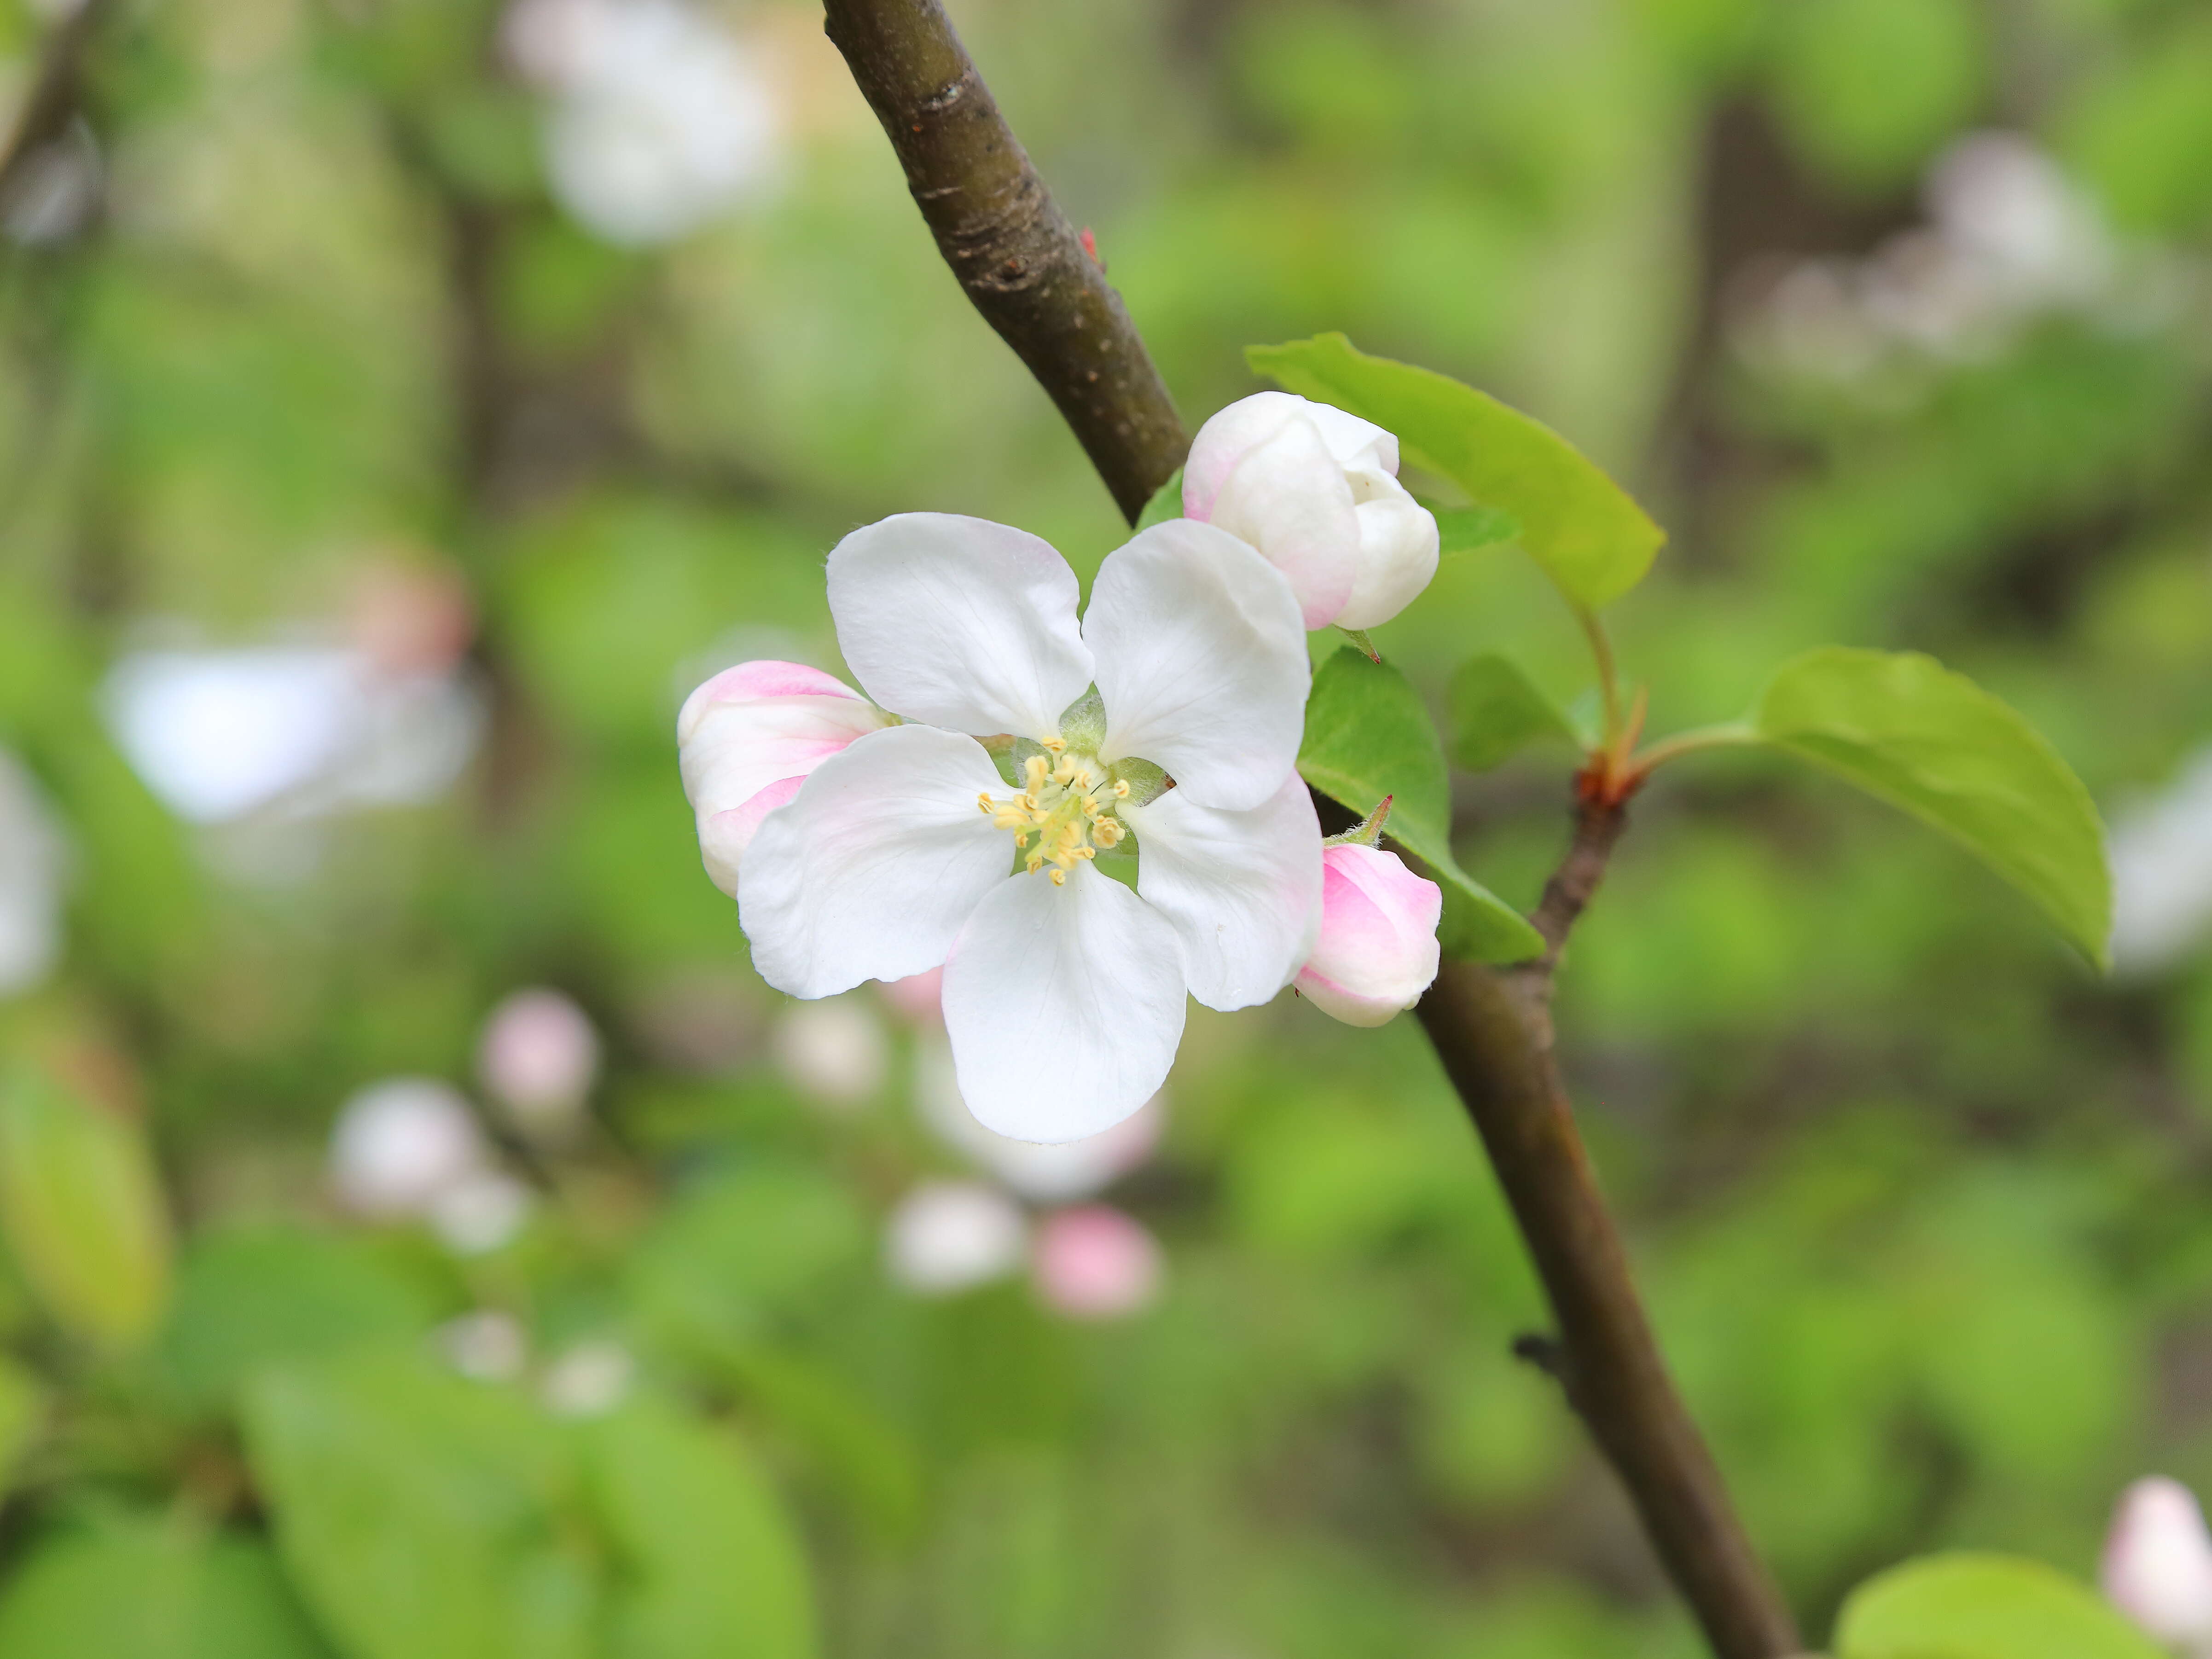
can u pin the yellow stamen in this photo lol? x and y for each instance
(1121, 789)
(1059, 877)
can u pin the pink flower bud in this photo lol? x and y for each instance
(1095, 1263)
(747, 738)
(1376, 951)
(2157, 1567)
(1316, 491)
(539, 1058)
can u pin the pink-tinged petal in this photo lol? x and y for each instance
(1376, 951)
(1226, 439)
(1201, 661)
(960, 623)
(1243, 888)
(753, 681)
(1288, 497)
(2157, 1565)
(1064, 1005)
(1398, 550)
(874, 866)
(1095, 1262)
(1353, 443)
(724, 837)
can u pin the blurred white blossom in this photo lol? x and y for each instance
(589, 1379)
(487, 1344)
(1044, 1173)
(2008, 239)
(2157, 1565)
(297, 731)
(402, 1144)
(33, 868)
(950, 1236)
(660, 118)
(2160, 850)
(481, 1212)
(1095, 1263)
(538, 1058)
(835, 1051)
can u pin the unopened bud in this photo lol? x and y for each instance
(1376, 951)
(2157, 1566)
(403, 1143)
(1095, 1263)
(539, 1058)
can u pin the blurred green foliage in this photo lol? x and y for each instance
(1920, 1205)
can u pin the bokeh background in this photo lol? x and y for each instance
(403, 403)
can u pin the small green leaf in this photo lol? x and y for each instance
(147, 1589)
(1368, 736)
(708, 1563)
(1932, 742)
(421, 1516)
(1982, 1607)
(1470, 529)
(82, 1209)
(1497, 711)
(1166, 503)
(1590, 536)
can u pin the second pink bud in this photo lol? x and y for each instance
(1376, 950)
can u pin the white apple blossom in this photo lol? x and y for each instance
(1057, 1174)
(1316, 490)
(401, 1145)
(2157, 1565)
(1168, 719)
(1376, 950)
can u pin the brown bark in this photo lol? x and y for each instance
(1029, 275)
(1014, 252)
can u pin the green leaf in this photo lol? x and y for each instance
(82, 1209)
(1470, 529)
(708, 1563)
(147, 1588)
(1582, 527)
(1497, 711)
(1166, 503)
(1982, 1607)
(1904, 728)
(254, 1296)
(421, 1516)
(1368, 736)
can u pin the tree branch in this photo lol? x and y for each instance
(1015, 253)
(1029, 275)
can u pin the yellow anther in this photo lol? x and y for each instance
(1059, 877)
(985, 801)
(1034, 861)
(1035, 770)
(1053, 745)
(1121, 789)
(1086, 852)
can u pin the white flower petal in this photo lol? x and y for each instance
(1398, 547)
(1201, 661)
(735, 750)
(870, 871)
(1243, 888)
(1064, 1005)
(1288, 497)
(961, 623)
(1225, 439)
(751, 682)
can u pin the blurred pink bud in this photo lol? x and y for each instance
(538, 1057)
(403, 1143)
(747, 738)
(950, 1236)
(410, 619)
(1316, 491)
(919, 997)
(2157, 1566)
(833, 1051)
(1376, 951)
(1095, 1263)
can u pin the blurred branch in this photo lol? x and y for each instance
(1019, 260)
(56, 97)
(1028, 273)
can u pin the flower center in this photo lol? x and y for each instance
(1066, 802)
